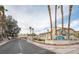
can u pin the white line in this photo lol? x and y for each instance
(20, 47)
(19, 53)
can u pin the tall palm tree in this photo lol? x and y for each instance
(2, 9)
(62, 18)
(2, 20)
(49, 10)
(32, 32)
(30, 29)
(70, 10)
(55, 19)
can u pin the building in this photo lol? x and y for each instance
(22, 36)
(77, 34)
(65, 31)
(46, 35)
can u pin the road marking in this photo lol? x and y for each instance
(41, 51)
(19, 53)
(20, 47)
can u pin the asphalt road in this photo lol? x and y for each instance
(22, 47)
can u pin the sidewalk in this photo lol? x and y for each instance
(3, 42)
(69, 49)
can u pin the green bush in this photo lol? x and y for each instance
(41, 39)
(35, 38)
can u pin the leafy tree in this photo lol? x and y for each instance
(12, 27)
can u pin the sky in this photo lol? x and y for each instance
(37, 17)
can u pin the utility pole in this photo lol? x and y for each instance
(49, 10)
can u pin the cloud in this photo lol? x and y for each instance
(29, 16)
(75, 24)
(36, 16)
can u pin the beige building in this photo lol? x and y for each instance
(22, 36)
(77, 34)
(46, 35)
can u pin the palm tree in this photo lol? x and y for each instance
(62, 18)
(2, 9)
(49, 10)
(32, 32)
(70, 10)
(55, 19)
(30, 29)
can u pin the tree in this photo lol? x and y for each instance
(12, 27)
(2, 20)
(49, 10)
(30, 29)
(55, 19)
(62, 18)
(70, 10)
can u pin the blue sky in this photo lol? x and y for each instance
(37, 17)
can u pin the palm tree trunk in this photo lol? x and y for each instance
(2, 20)
(62, 18)
(70, 9)
(55, 19)
(49, 10)
(3, 24)
(30, 28)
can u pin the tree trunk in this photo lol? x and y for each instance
(49, 10)
(62, 18)
(70, 9)
(55, 19)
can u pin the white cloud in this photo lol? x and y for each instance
(38, 21)
(75, 24)
(25, 20)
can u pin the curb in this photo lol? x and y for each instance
(59, 44)
(6, 43)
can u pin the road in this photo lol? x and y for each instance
(22, 47)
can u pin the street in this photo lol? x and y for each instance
(22, 47)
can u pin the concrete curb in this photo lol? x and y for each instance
(6, 42)
(59, 44)
(59, 50)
